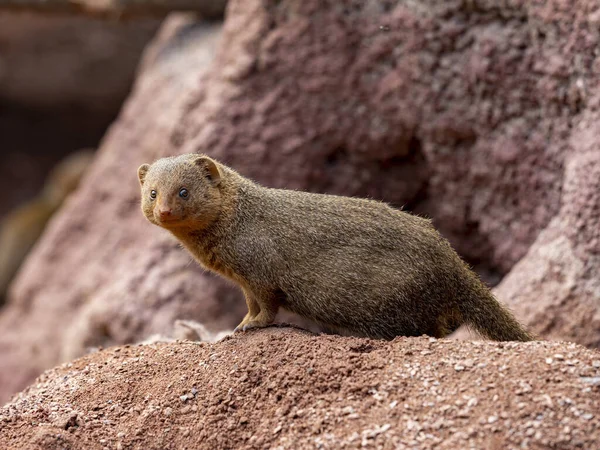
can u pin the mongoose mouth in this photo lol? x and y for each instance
(168, 221)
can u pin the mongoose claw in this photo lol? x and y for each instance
(251, 325)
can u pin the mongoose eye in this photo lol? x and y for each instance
(153, 194)
(184, 193)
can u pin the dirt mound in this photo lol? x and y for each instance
(285, 388)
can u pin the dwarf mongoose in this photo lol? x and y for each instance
(353, 265)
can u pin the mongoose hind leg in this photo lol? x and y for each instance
(446, 324)
(262, 310)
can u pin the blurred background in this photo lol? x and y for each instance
(63, 80)
(65, 70)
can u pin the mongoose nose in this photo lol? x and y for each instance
(164, 213)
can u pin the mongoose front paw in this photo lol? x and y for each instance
(254, 324)
(247, 318)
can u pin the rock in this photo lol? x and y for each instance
(66, 421)
(187, 330)
(477, 114)
(556, 286)
(504, 162)
(194, 331)
(277, 404)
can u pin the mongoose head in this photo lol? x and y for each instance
(181, 191)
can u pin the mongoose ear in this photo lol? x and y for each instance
(142, 171)
(211, 167)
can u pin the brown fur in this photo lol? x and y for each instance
(351, 264)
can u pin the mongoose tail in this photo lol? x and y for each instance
(492, 319)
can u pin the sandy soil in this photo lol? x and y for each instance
(286, 388)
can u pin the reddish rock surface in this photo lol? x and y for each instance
(479, 115)
(283, 388)
(556, 286)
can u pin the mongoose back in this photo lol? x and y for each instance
(356, 266)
